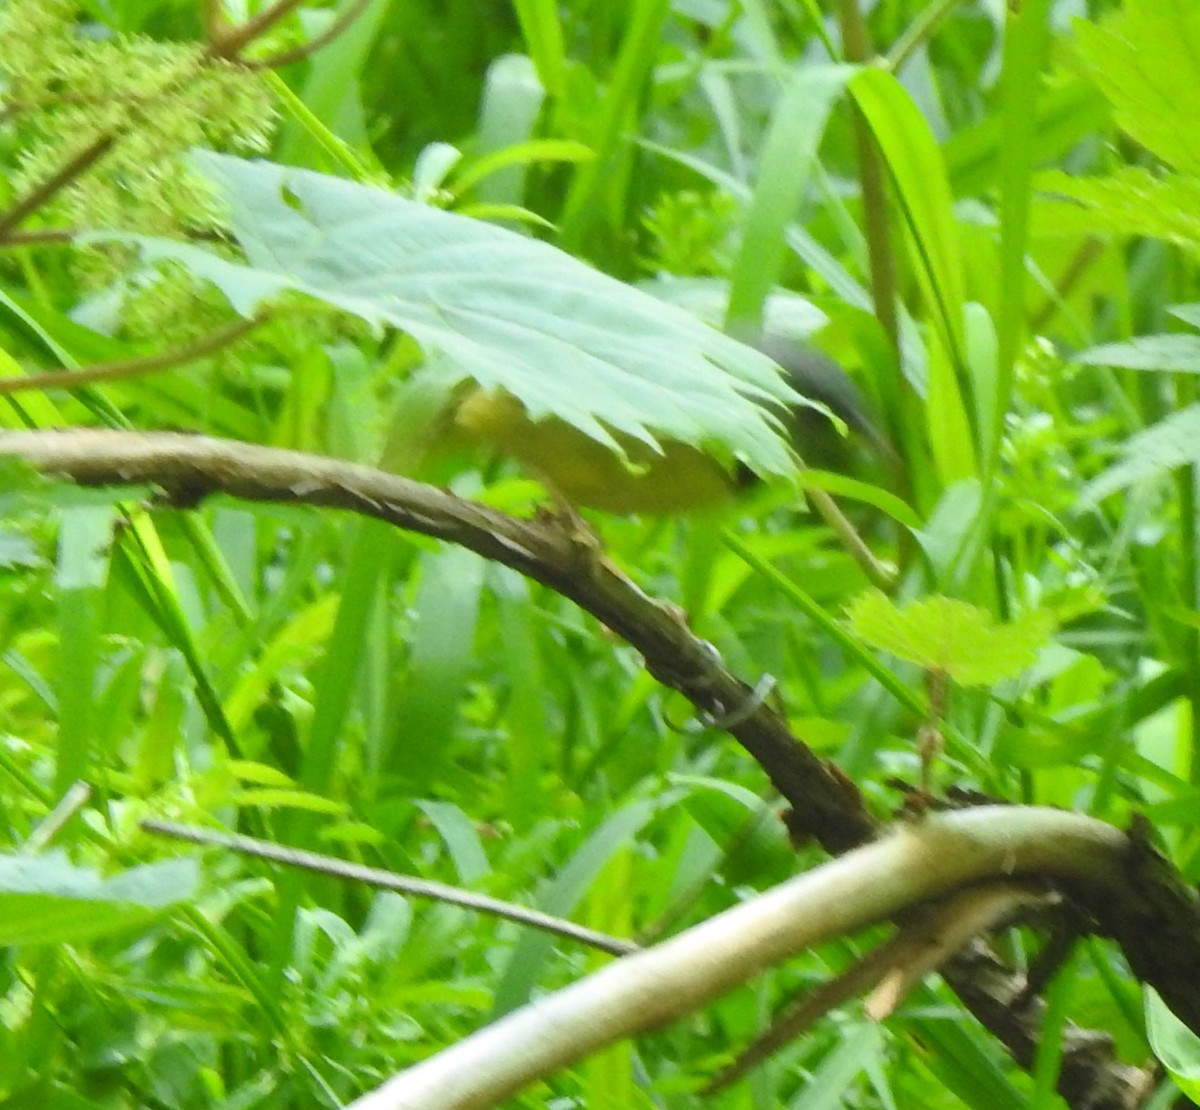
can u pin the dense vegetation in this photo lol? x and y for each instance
(318, 228)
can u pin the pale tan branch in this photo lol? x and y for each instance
(662, 984)
(925, 941)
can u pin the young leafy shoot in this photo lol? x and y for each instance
(952, 636)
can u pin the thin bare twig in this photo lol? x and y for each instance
(390, 880)
(877, 573)
(37, 238)
(72, 801)
(133, 367)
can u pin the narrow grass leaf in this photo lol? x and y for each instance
(1026, 42)
(831, 1081)
(291, 647)
(441, 655)
(532, 747)
(919, 172)
(461, 838)
(964, 1061)
(564, 893)
(84, 542)
(542, 32)
(799, 241)
(519, 154)
(335, 680)
(330, 90)
(788, 153)
(586, 204)
(150, 571)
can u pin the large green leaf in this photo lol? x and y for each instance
(499, 308)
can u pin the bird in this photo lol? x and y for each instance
(676, 478)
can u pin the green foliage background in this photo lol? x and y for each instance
(324, 681)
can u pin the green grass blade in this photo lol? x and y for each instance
(789, 152)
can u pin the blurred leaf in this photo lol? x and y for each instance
(1175, 1045)
(563, 894)
(945, 634)
(1147, 62)
(261, 774)
(857, 490)
(519, 154)
(45, 899)
(1188, 313)
(1130, 201)
(915, 161)
(540, 27)
(754, 841)
(1153, 452)
(1147, 352)
(287, 799)
(461, 838)
(788, 153)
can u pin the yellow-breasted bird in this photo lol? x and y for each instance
(678, 477)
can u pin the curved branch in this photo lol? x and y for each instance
(825, 804)
(661, 984)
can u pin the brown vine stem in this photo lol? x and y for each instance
(299, 53)
(62, 177)
(922, 943)
(133, 367)
(37, 238)
(227, 43)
